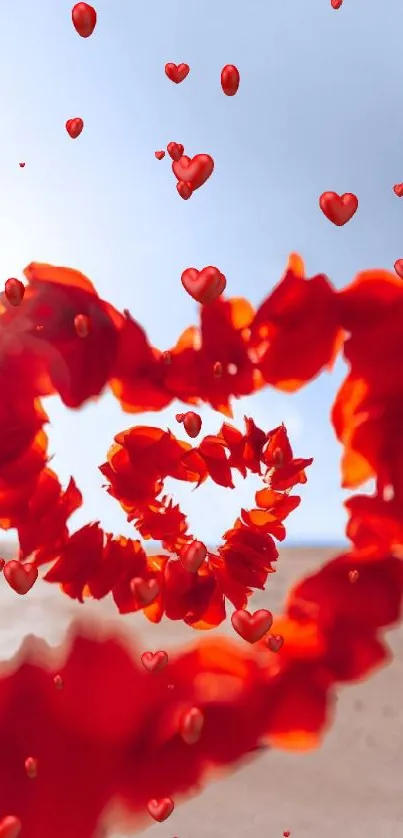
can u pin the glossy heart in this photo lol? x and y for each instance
(274, 642)
(194, 171)
(20, 577)
(161, 809)
(192, 424)
(84, 19)
(177, 72)
(205, 286)
(252, 627)
(193, 556)
(175, 150)
(154, 661)
(398, 266)
(191, 726)
(398, 189)
(14, 290)
(10, 827)
(185, 190)
(336, 4)
(338, 208)
(230, 79)
(159, 154)
(145, 590)
(74, 127)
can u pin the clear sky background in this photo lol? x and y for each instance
(319, 108)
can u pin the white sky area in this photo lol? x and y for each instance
(313, 113)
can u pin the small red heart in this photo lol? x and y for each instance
(204, 286)
(20, 577)
(275, 642)
(159, 155)
(338, 208)
(192, 424)
(185, 190)
(166, 357)
(31, 767)
(287, 834)
(161, 809)
(194, 171)
(398, 266)
(252, 627)
(74, 127)
(84, 19)
(154, 661)
(336, 4)
(58, 682)
(191, 726)
(82, 325)
(175, 150)
(353, 576)
(21, 165)
(10, 827)
(193, 556)
(230, 79)
(14, 290)
(145, 590)
(177, 72)
(218, 369)
(398, 189)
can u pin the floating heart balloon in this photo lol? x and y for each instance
(205, 286)
(252, 627)
(20, 577)
(192, 423)
(154, 661)
(185, 190)
(193, 171)
(145, 590)
(21, 165)
(84, 19)
(193, 556)
(10, 827)
(177, 72)
(74, 127)
(398, 189)
(161, 809)
(159, 155)
(274, 642)
(230, 79)
(14, 290)
(175, 150)
(336, 4)
(82, 325)
(399, 268)
(191, 726)
(338, 208)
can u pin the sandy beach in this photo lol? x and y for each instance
(351, 787)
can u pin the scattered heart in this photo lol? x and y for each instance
(21, 165)
(159, 155)
(230, 79)
(177, 72)
(218, 369)
(154, 661)
(185, 190)
(287, 834)
(161, 809)
(339, 209)
(14, 290)
(58, 682)
(274, 642)
(31, 767)
(166, 357)
(193, 556)
(145, 590)
(10, 827)
(193, 171)
(191, 726)
(191, 422)
(398, 266)
(84, 19)
(82, 325)
(20, 577)
(175, 150)
(74, 127)
(336, 4)
(398, 190)
(204, 286)
(252, 627)
(353, 576)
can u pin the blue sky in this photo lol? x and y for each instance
(318, 109)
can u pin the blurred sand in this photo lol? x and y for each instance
(352, 787)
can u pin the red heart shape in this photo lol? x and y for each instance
(338, 208)
(159, 154)
(20, 577)
(74, 127)
(191, 726)
(230, 79)
(14, 290)
(84, 19)
(175, 150)
(193, 556)
(398, 266)
(145, 590)
(161, 809)
(177, 72)
(398, 189)
(205, 286)
(185, 190)
(21, 165)
(10, 827)
(274, 642)
(194, 171)
(192, 424)
(252, 627)
(336, 4)
(154, 661)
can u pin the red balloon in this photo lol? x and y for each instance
(84, 19)
(74, 127)
(230, 79)
(14, 291)
(184, 189)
